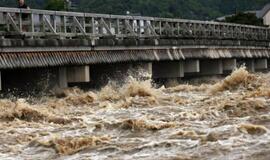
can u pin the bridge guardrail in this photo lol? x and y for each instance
(43, 23)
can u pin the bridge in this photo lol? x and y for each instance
(76, 47)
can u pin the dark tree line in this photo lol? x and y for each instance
(191, 9)
(245, 18)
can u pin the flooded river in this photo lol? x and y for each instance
(227, 119)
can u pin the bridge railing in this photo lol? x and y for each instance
(43, 23)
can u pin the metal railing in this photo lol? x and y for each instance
(42, 23)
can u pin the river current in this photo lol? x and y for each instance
(225, 119)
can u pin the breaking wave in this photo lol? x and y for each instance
(141, 121)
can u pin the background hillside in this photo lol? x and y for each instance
(194, 9)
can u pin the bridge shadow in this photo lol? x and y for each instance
(28, 82)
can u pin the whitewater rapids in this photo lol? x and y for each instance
(225, 120)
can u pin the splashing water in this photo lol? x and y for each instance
(229, 119)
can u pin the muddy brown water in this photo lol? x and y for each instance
(225, 120)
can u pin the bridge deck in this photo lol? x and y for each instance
(43, 24)
(40, 38)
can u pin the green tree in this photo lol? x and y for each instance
(190, 9)
(245, 18)
(57, 5)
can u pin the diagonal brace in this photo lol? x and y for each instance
(13, 23)
(78, 24)
(151, 29)
(129, 28)
(48, 23)
(104, 24)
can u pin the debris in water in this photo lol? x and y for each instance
(138, 88)
(109, 93)
(245, 107)
(239, 77)
(81, 99)
(21, 110)
(253, 129)
(186, 88)
(141, 124)
(186, 135)
(71, 145)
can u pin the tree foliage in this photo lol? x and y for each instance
(245, 18)
(57, 5)
(191, 9)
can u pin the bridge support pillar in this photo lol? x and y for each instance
(142, 70)
(261, 64)
(168, 69)
(78, 74)
(211, 67)
(229, 65)
(0, 81)
(62, 77)
(192, 66)
(249, 63)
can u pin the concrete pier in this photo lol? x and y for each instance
(78, 74)
(140, 70)
(192, 66)
(62, 77)
(102, 74)
(0, 81)
(250, 64)
(261, 64)
(229, 64)
(168, 69)
(211, 67)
